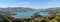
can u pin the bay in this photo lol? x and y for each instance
(28, 14)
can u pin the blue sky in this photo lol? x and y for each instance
(37, 4)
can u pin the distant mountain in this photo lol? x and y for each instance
(56, 9)
(15, 9)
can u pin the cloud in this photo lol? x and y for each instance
(52, 2)
(16, 4)
(23, 3)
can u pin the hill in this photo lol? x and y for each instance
(15, 9)
(56, 9)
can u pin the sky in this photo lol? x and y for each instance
(36, 4)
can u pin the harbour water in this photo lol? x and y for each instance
(28, 14)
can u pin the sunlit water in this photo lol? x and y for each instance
(28, 14)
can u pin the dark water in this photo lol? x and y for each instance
(28, 14)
